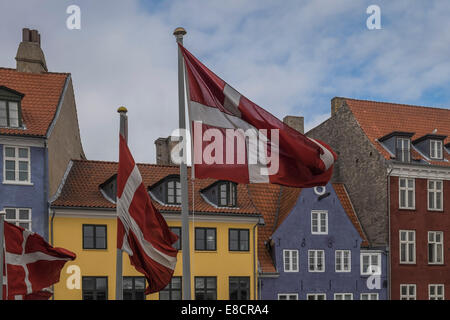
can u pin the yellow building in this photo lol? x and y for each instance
(223, 224)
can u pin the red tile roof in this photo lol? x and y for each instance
(378, 119)
(42, 94)
(275, 203)
(81, 188)
(344, 198)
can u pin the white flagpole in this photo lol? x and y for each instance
(179, 33)
(119, 278)
(2, 220)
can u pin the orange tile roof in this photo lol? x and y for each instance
(42, 94)
(378, 119)
(81, 188)
(346, 203)
(275, 203)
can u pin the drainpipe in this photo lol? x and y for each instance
(388, 262)
(260, 223)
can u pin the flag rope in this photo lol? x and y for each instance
(193, 216)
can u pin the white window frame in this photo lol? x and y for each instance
(369, 296)
(341, 267)
(436, 296)
(343, 295)
(315, 295)
(406, 189)
(434, 191)
(17, 221)
(16, 160)
(316, 261)
(290, 266)
(408, 295)
(408, 149)
(437, 148)
(289, 296)
(407, 243)
(318, 214)
(435, 246)
(377, 265)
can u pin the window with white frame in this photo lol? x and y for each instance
(436, 292)
(343, 261)
(368, 296)
(288, 296)
(19, 216)
(403, 150)
(370, 263)
(16, 164)
(290, 258)
(407, 292)
(343, 296)
(435, 195)
(319, 222)
(436, 149)
(435, 247)
(407, 193)
(316, 296)
(407, 246)
(316, 260)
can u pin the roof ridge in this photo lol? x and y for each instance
(30, 73)
(395, 103)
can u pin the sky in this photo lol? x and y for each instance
(291, 57)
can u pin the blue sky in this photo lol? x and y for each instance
(290, 57)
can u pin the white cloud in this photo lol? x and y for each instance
(289, 57)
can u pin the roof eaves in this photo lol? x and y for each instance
(58, 108)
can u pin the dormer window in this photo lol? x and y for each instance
(221, 194)
(403, 150)
(173, 191)
(436, 149)
(227, 194)
(10, 114)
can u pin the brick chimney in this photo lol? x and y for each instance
(295, 122)
(30, 57)
(163, 148)
(336, 104)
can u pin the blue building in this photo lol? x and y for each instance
(38, 135)
(313, 247)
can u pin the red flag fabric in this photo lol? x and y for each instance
(142, 231)
(31, 264)
(235, 139)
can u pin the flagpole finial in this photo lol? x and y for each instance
(179, 32)
(122, 109)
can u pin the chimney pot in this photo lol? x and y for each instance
(30, 57)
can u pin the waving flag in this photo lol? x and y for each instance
(142, 231)
(32, 264)
(235, 139)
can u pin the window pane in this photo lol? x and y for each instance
(139, 283)
(23, 153)
(10, 214)
(210, 239)
(3, 121)
(13, 114)
(101, 283)
(199, 283)
(127, 283)
(24, 214)
(88, 283)
(211, 283)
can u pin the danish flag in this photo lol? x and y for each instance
(214, 106)
(142, 231)
(32, 264)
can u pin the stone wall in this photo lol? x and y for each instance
(360, 167)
